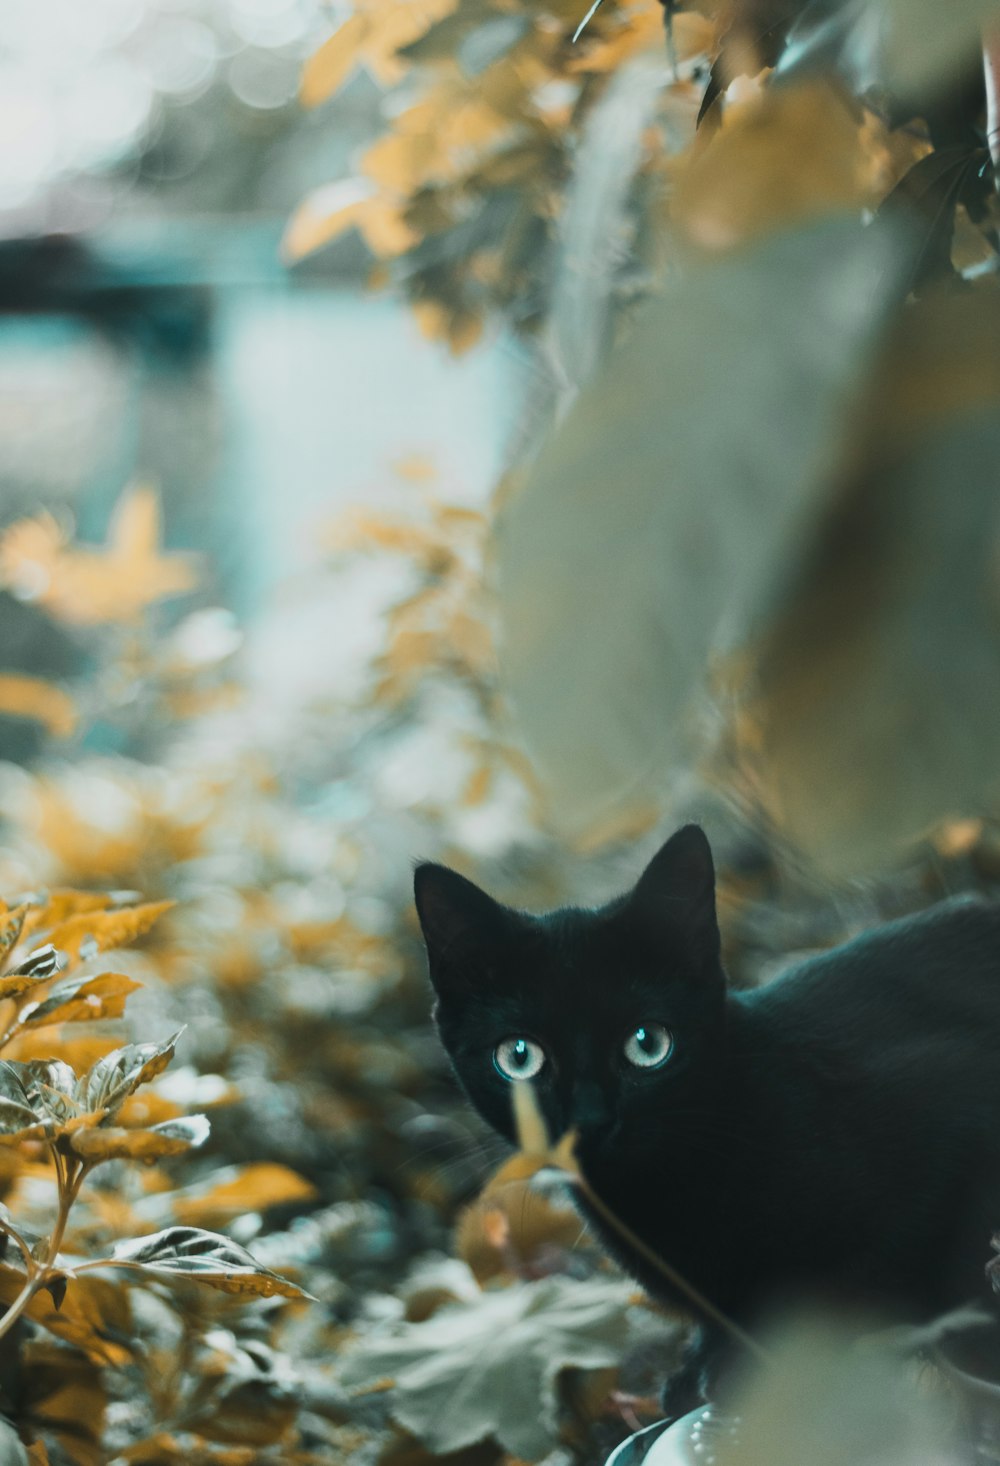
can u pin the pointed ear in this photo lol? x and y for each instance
(462, 926)
(676, 891)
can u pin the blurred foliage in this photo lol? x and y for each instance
(766, 528)
(783, 474)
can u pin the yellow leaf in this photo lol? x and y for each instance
(79, 1052)
(241, 1189)
(331, 65)
(32, 697)
(384, 228)
(416, 468)
(783, 157)
(145, 1109)
(410, 156)
(57, 905)
(372, 36)
(95, 586)
(478, 786)
(323, 216)
(95, 1314)
(99, 997)
(115, 1143)
(106, 928)
(461, 329)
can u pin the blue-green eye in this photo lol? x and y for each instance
(519, 1058)
(648, 1046)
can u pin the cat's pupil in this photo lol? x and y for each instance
(645, 1041)
(520, 1054)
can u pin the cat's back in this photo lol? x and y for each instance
(936, 973)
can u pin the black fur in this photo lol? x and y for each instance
(833, 1137)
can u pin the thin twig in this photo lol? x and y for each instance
(586, 21)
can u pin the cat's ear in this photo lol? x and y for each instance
(676, 891)
(461, 924)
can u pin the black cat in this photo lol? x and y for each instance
(833, 1137)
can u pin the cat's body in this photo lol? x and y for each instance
(833, 1137)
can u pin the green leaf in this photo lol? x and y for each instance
(205, 1257)
(37, 968)
(51, 1086)
(16, 1111)
(489, 1369)
(658, 525)
(11, 924)
(882, 679)
(120, 1073)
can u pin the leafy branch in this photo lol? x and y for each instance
(74, 1115)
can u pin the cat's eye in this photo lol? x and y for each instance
(519, 1058)
(648, 1046)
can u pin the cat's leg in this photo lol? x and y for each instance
(692, 1382)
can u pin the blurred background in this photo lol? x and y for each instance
(488, 432)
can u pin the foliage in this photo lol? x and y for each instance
(768, 522)
(488, 1368)
(64, 1124)
(460, 196)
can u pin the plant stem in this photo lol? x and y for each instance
(25, 1251)
(69, 1177)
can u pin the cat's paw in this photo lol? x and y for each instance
(684, 1391)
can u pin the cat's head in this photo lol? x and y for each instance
(614, 1015)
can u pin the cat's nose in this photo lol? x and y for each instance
(589, 1107)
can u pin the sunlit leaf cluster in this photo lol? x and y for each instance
(460, 198)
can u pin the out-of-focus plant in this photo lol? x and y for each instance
(62, 1119)
(460, 199)
(106, 598)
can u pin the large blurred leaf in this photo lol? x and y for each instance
(661, 519)
(489, 1368)
(915, 46)
(881, 684)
